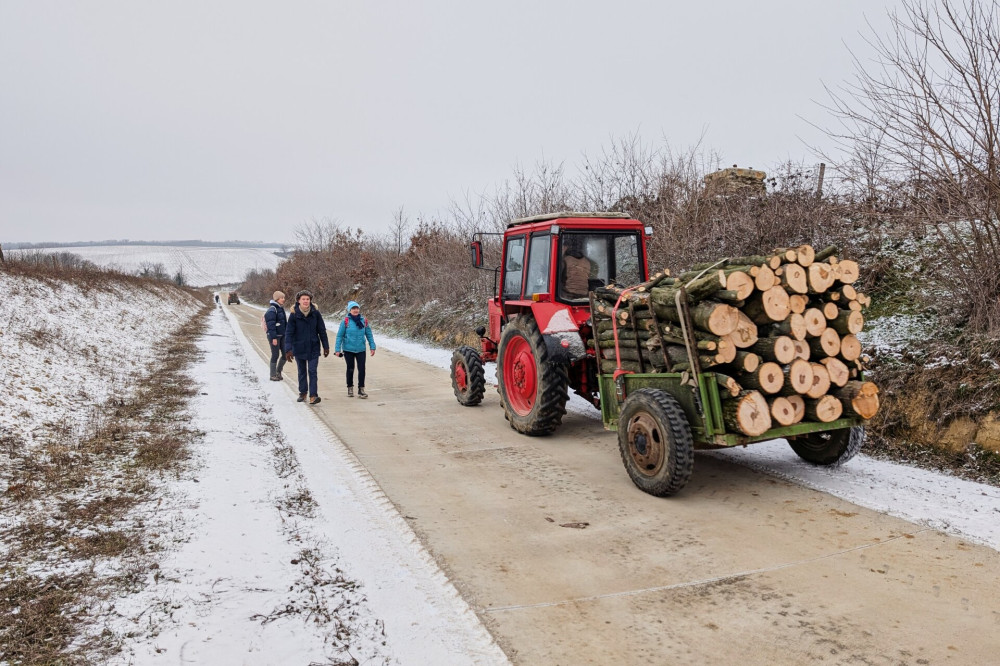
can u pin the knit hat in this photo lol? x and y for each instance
(277, 295)
(352, 304)
(304, 292)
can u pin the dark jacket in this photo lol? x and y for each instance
(276, 321)
(303, 335)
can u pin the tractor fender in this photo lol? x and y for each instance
(560, 332)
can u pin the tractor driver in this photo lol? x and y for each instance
(577, 269)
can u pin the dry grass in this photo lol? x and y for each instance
(69, 498)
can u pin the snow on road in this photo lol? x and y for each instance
(280, 521)
(939, 501)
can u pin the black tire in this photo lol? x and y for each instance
(536, 410)
(468, 379)
(831, 448)
(655, 442)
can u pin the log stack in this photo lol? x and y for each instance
(777, 332)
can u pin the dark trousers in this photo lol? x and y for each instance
(307, 371)
(277, 355)
(351, 358)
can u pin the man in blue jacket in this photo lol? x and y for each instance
(351, 336)
(304, 335)
(276, 322)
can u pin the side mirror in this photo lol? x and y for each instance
(476, 247)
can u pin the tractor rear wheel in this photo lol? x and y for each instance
(831, 448)
(533, 389)
(655, 441)
(468, 378)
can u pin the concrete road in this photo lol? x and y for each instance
(566, 562)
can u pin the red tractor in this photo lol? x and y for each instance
(539, 318)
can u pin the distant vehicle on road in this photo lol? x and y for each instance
(233, 298)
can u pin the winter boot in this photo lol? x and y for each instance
(361, 392)
(302, 397)
(314, 400)
(275, 378)
(350, 391)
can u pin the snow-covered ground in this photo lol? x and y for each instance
(201, 266)
(283, 529)
(940, 501)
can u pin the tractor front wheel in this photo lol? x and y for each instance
(468, 379)
(831, 448)
(533, 389)
(655, 441)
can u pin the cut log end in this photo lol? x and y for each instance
(748, 413)
(823, 409)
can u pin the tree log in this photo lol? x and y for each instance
(798, 377)
(768, 306)
(793, 277)
(798, 303)
(815, 322)
(850, 348)
(802, 350)
(780, 349)
(782, 411)
(827, 344)
(830, 310)
(767, 378)
(805, 255)
(748, 413)
(849, 271)
(745, 335)
(717, 318)
(748, 362)
(794, 326)
(740, 282)
(826, 252)
(765, 278)
(727, 384)
(839, 374)
(823, 409)
(697, 290)
(799, 405)
(861, 398)
(821, 277)
(821, 381)
(848, 322)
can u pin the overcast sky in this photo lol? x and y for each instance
(240, 119)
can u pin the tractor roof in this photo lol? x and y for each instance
(565, 214)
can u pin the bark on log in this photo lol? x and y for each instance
(860, 398)
(780, 349)
(848, 322)
(821, 381)
(697, 290)
(748, 413)
(717, 318)
(798, 377)
(786, 254)
(767, 378)
(726, 353)
(727, 384)
(748, 362)
(782, 411)
(839, 374)
(825, 253)
(823, 409)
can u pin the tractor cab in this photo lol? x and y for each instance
(539, 316)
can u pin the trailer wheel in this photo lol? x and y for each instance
(533, 389)
(468, 378)
(831, 448)
(655, 441)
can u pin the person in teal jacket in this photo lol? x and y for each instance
(354, 330)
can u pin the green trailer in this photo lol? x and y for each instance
(663, 417)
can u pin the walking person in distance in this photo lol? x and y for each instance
(305, 335)
(351, 337)
(276, 322)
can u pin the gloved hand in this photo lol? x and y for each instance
(289, 356)
(340, 354)
(326, 352)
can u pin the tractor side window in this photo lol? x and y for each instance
(514, 268)
(628, 270)
(538, 266)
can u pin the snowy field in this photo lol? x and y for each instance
(201, 266)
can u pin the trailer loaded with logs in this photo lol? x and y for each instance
(727, 353)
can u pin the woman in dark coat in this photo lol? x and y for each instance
(276, 322)
(304, 336)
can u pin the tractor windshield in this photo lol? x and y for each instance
(588, 260)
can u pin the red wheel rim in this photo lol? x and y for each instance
(460, 377)
(520, 377)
